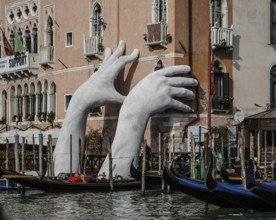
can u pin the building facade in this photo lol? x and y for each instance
(64, 44)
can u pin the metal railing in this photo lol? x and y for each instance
(222, 37)
(92, 46)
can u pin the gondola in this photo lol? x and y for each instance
(66, 186)
(231, 178)
(265, 190)
(236, 194)
(151, 179)
(194, 188)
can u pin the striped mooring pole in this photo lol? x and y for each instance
(40, 138)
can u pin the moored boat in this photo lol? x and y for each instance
(228, 177)
(66, 186)
(194, 188)
(151, 179)
(236, 194)
(264, 190)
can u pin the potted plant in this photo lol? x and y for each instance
(225, 102)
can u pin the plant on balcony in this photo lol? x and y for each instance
(30, 117)
(3, 120)
(51, 117)
(19, 118)
(225, 102)
(14, 118)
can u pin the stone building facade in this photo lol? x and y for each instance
(65, 42)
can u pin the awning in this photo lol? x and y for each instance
(31, 136)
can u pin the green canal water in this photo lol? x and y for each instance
(37, 205)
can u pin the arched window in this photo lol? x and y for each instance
(28, 40)
(273, 86)
(97, 21)
(45, 97)
(19, 103)
(216, 19)
(4, 106)
(26, 102)
(159, 65)
(32, 102)
(159, 8)
(53, 97)
(34, 34)
(13, 104)
(39, 98)
(49, 32)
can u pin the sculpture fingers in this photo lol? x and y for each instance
(182, 92)
(182, 81)
(174, 70)
(179, 106)
(118, 52)
(107, 54)
(122, 61)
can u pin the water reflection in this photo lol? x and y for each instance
(115, 205)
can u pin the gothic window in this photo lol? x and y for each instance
(159, 65)
(159, 10)
(273, 22)
(28, 39)
(53, 98)
(39, 98)
(4, 106)
(49, 32)
(97, 21)
(273, 86)
(216, 20)
(34, 34)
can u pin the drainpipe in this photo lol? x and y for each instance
(190, 13)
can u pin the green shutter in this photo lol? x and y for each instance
(225, 84)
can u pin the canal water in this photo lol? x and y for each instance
(37, 205)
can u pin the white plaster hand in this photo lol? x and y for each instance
(155, 93)
(98, 90)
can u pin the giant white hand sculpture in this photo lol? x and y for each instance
(98, 90)
(153, 94)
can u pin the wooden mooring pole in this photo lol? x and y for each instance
(273, 156)
(40, 155)
(164, 162)
(71, 155)
(110, 165)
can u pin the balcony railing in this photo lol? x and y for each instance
(157, 34)
(15, 64)
(222, 37)
(92, 46)
(46, 55)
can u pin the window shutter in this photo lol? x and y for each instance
(225, 84)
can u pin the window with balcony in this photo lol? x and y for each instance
(216, 20)
(159, 9)
(273, 86)
(47, 51)
(93, 45)
(273, 22)
(221, 79)
(221, 34)
(157, 31)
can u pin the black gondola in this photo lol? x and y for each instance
(66, 186)
(236, 194)
(265, 190)
(231, 178)
(194, 188)
(151, 179)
